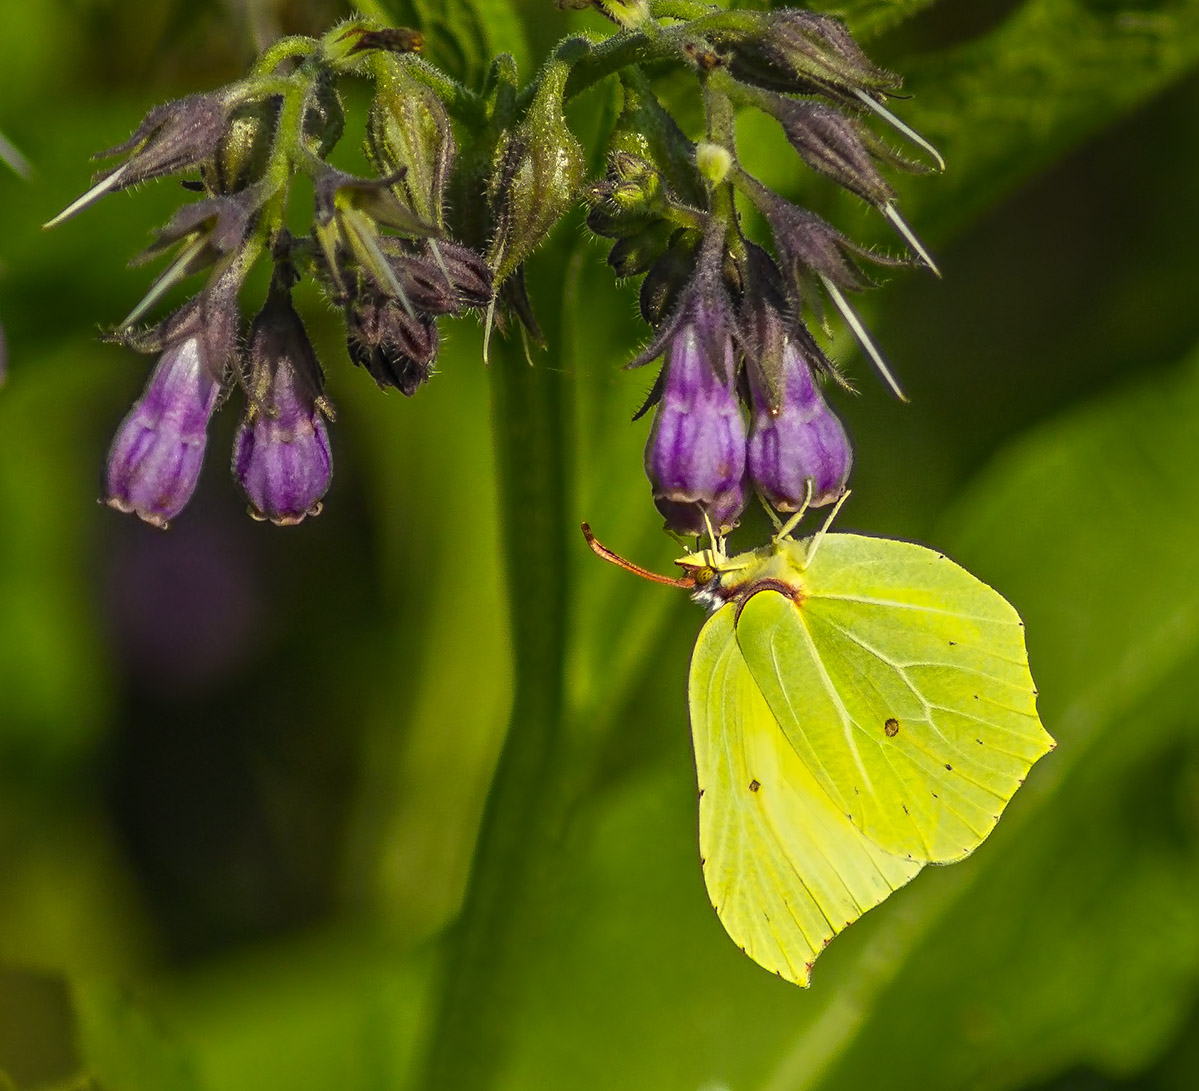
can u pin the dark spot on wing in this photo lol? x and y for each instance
(949, 767)
(935, 796)
(891, 727)
(953, 643)
(979, 741)
(905, 810)
(754, 785)
(701, 793)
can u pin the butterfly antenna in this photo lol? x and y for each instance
(818, 537)
(603, 551)
(785, 530)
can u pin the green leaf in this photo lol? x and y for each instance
(867, 18)
(123, 1047)
(1054, 73)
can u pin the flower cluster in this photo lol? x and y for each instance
(465, 186)
(739, 404)
(378, 249)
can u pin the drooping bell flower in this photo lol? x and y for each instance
(155, 459)
(798, 450)
(281, 455)
(695, 457)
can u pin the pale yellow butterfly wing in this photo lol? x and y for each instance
(902, 683)
(785, 869)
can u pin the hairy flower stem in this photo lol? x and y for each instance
(490, 944)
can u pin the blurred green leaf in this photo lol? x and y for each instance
(867, 18)
(123, 1047)
(1055, 72)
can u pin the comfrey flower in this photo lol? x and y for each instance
(281, 455)
(695, 457)
(798, 451)
(155, 459)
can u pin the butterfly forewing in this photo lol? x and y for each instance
(902, 683)
(784, 867)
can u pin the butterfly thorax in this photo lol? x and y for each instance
(777, 566)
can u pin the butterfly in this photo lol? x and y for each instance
(860, 707)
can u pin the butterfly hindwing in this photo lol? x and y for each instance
(785, 869)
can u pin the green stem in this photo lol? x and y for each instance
(270, 59)
(501, 920)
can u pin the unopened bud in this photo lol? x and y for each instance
(409, 136)
(537, 176)
(713, 161)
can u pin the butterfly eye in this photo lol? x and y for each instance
(704, 576)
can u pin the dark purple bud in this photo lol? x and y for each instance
(809, 247)
(281, 455)
(804, 52)
(469, 272)
(444, 278)
(398, 349)
(155, 459)
(172, 137)
(798, 450)
(831, 143)
(221, 222)
(695, 457)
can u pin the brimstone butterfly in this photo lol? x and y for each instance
(860, 707)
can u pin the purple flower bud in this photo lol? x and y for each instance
(803, 52)
(397, 349)
(831, 143)
(695, 457)
(172, 137)
(795, 441)
(155, 459)
(281, 454)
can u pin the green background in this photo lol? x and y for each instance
(242, 768)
